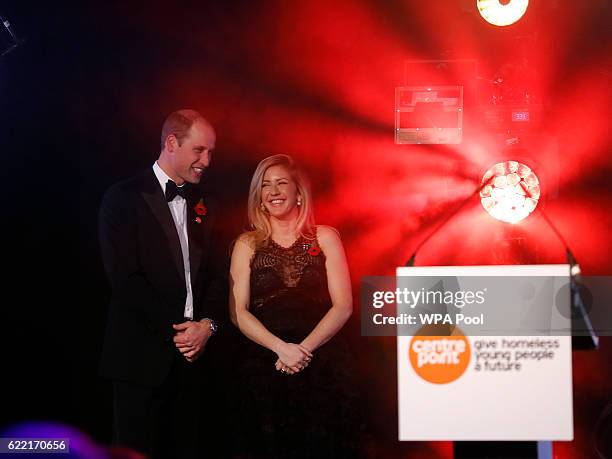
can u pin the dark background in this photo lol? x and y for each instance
(84, 97)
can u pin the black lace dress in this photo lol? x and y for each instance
(311, 414)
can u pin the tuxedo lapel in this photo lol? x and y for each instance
(154, 197)
(195, 231)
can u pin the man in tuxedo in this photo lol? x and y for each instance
(168, 292)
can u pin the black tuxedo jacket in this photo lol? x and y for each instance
(143, 261)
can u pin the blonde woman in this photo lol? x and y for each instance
(290, 295)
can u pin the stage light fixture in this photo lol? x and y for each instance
(8, 39)
(510, 191)
(502, 12)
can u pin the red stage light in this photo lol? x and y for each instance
(511, 191)
(500, 12)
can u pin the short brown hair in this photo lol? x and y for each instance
(179, 123)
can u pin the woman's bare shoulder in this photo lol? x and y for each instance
(327, 235)
(245, 242)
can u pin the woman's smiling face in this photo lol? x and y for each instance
(279, 193)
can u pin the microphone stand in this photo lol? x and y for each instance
(412, 259)
(576, 297)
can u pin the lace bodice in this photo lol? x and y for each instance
(295, 270)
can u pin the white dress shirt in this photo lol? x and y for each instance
(178, 209)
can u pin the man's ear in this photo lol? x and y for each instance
(171, 143)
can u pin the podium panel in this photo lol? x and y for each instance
(493, 388)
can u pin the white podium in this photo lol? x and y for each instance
(470, 388)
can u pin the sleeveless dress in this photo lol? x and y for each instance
(311, 414)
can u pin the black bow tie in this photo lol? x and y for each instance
(172, 190)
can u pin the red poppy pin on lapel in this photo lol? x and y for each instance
(200, 210)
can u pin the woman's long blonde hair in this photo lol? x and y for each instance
(259, 220)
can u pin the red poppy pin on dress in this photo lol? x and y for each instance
(314, 251)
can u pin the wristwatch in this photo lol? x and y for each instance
(213, 325)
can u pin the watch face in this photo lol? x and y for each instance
(213, 326)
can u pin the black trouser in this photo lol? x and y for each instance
(164, 421)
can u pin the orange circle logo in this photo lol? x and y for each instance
(439, 359)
